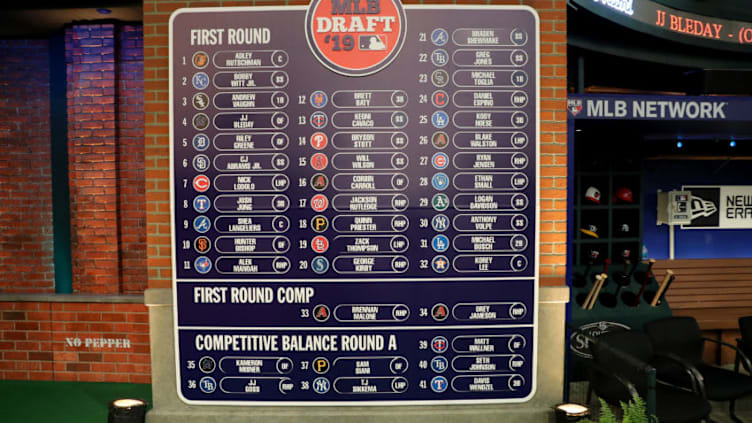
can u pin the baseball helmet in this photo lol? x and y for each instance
(590, 230)
(624, 228)
(593, 194)
(623, 195)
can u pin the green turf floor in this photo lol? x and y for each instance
(63, 402)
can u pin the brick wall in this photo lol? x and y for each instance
(86, 342)
(553, 131)
(26, 253)
(97, 342)
(105, 130)
(130, 134)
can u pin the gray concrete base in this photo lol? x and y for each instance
(169, 408)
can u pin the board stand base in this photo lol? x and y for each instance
(169, 408)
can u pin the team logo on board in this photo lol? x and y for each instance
(319, 140)
(439, 37)
(201, 224)
(319, 223)
(319, 161)
(440, 243)
(200, 80)
(201, 162)
(440, 139)
(320, 365)
(320, 265)
(207, 385)
(319, 181)
(200, 101)
(440, 161)
(202, 244)
(321, 313)
(440, 119)
(440, 264)
(440, 181)
(440, 202)
(203, 265)
(200, 142)
(318, 99)
(319, 244)
(439, 98)
(201, 204)
(355, 38)
(201, 183)
(439, 57)
(439, 384)
(200, 59)
(320, 385)
(439, 344)
(439, 364)
(319, 202)
(319, 120)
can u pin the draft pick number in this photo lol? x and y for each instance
(355, 37)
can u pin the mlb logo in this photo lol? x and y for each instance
(574, 106)
(376, 42)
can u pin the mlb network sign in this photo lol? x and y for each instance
(647, 109)
(720, 207)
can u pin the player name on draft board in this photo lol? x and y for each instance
(369, 99)
(259, 100)
(491, 120)
(253, 141)
(369, 140)
(497, 140)
(492, 99)
(263, 121)
(251, 183)
(392, 181)
(490, 78)
(250, 59)
(250, 80)
(370, 161)
(489, 58)
(251, 162)
(499, 181)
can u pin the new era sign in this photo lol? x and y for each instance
(720, 207)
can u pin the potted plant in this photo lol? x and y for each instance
(633, 412)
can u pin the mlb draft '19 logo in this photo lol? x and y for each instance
(355, 37)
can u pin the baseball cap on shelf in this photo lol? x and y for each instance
(590, 230)
(623, 194)
(593, 194)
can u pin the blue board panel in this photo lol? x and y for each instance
(355, 203)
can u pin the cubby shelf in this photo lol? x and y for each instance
(608, 216)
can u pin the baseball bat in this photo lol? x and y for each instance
(622, 279)
(665, 290)
(625, 277)
(645, 280)
(662, 288)
(592, 290)
(598, 290)
(605, 268)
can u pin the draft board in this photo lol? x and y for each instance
(354, 203)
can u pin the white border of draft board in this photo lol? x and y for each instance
(363, 402)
